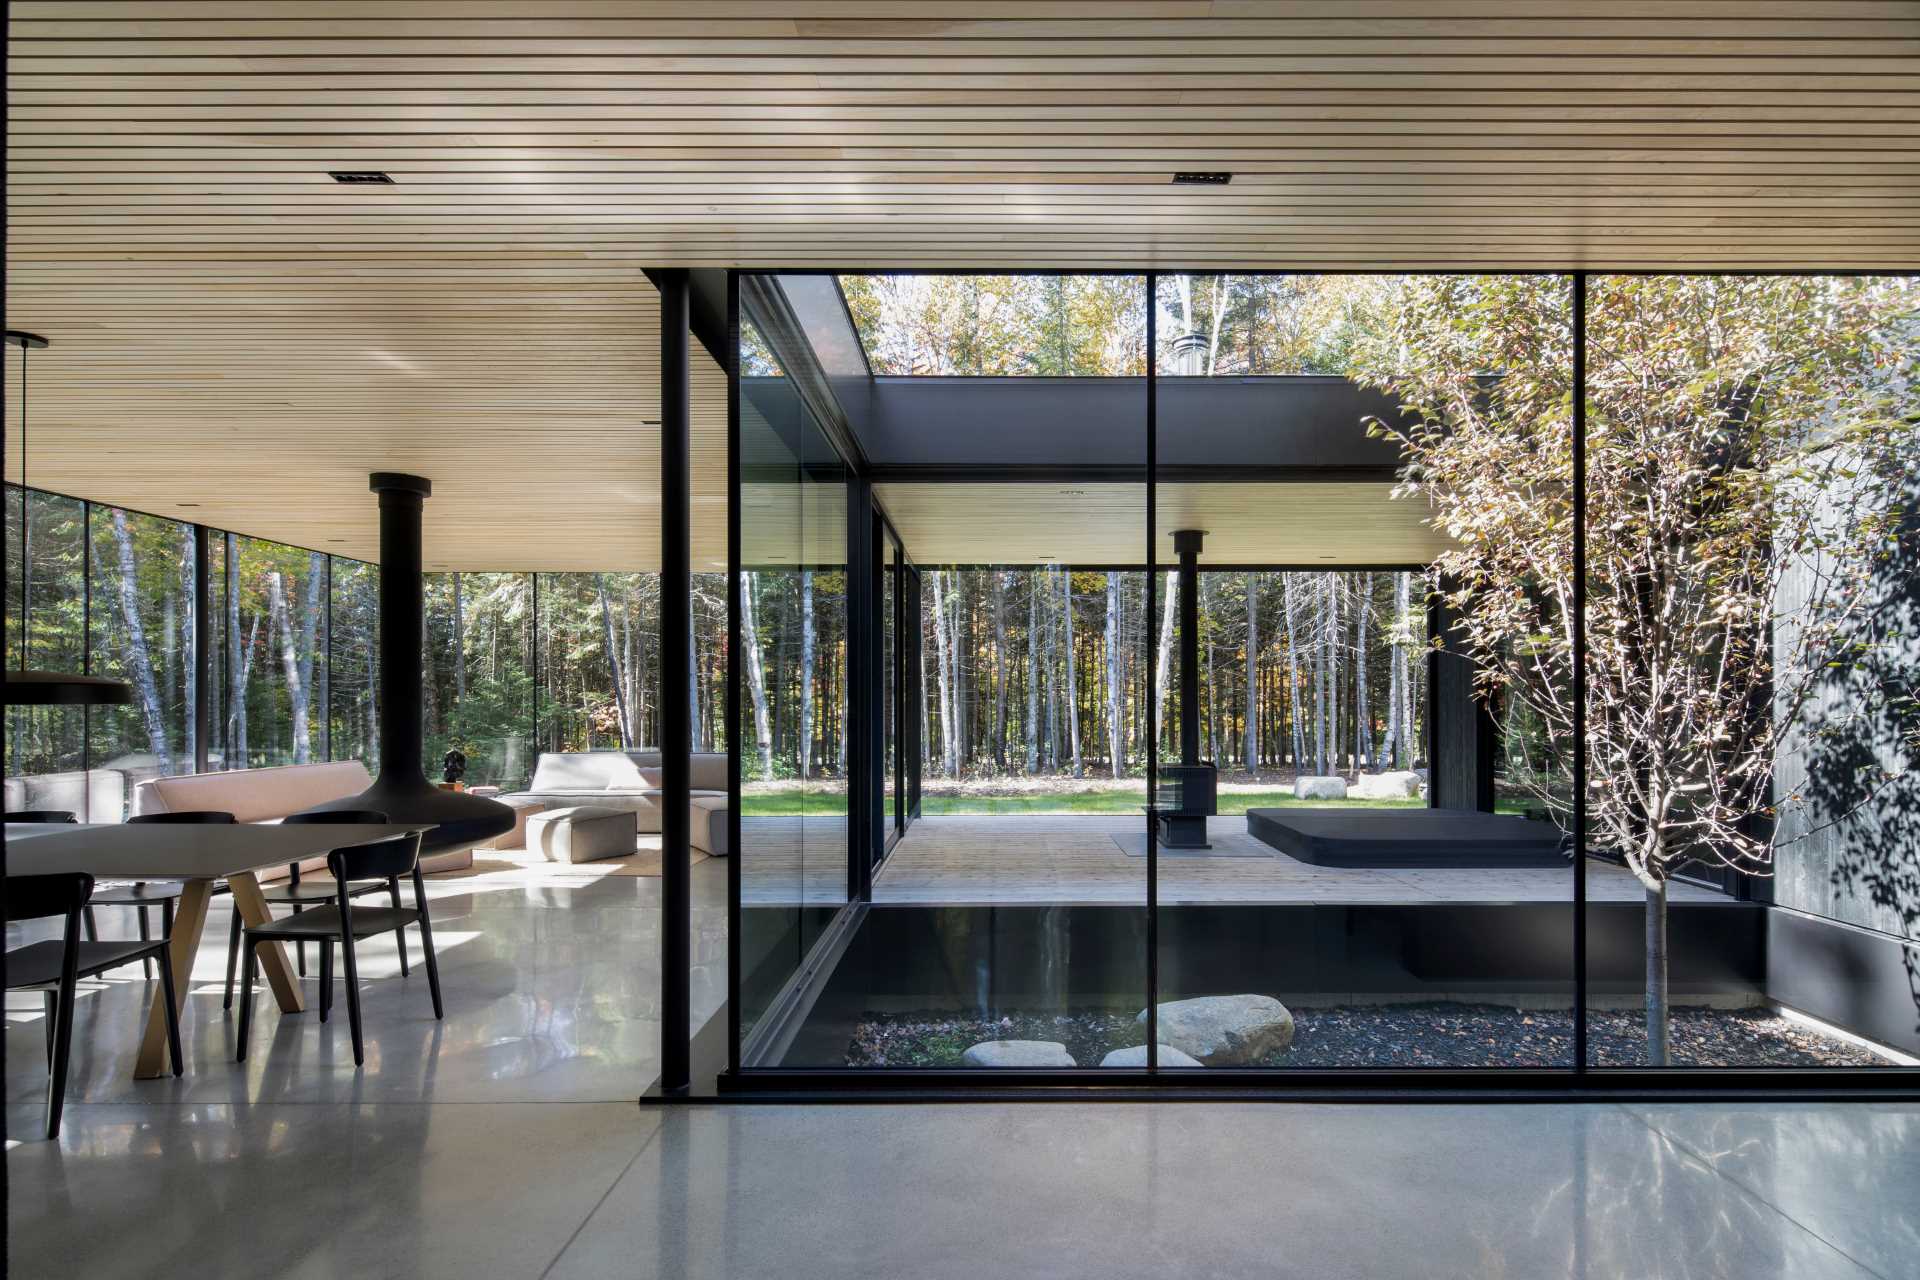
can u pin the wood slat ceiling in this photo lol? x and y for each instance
(1372, 133)
(259, 403)
(484, 319)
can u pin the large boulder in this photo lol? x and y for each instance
(1313, 787)
(1400, 784)
(1018, 1053)
(1225, 1031)
(1137, 1057)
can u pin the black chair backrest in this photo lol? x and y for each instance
(36, 897)
(380, 860)
(188, 817)
(40, 815)
(358, 817)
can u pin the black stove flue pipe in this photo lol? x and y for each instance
(401, 791)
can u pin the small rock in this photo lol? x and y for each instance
(1225, 1031)
(1137, 1057)
(1018, 1053)
(1403, 784)
(1312, 787)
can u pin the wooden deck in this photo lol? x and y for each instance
(1074, 860)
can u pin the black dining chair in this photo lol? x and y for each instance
(140, 894)
(137, 895)
(340, 921)
(290, 892)
(56, 966)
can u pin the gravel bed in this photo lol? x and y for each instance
(1391, 1035)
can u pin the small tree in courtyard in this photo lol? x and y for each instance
(1753, 456)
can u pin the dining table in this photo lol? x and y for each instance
(199, 857)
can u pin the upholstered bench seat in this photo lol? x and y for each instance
(583, 833)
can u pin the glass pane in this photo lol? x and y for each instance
(1008, 925)
(1337, 872)
(46, 631)
(1754, 475)
(141, 628)
(890, 687)
(479, 691)
(275, 642)
(354, 672)
(773, 797)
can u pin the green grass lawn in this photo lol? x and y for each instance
(1232, 803)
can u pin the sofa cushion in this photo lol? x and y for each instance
(707, 771)
(254, 795)
(582, 833)
(586, 771)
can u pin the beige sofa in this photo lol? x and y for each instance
(632, 780)
(268, 795)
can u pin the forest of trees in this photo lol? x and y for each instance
(519, 663)
(112, 591)
(1050, 672)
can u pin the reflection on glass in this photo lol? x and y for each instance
(142, 632)
(793, 636)
(275, 684)
(45, 630)
(354, 673)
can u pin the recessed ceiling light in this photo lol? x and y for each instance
(186, 504)
(1073, 493)
(360, 177)
(1194, 178)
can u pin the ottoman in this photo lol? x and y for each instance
(583, 833)
(516, 838)
(707, 824)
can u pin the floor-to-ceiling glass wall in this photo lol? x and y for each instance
(46, 627)
(1753, 598)
(792, 641)
(1355, 666)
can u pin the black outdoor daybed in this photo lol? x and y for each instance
(1408, 838)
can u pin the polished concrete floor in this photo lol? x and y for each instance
(505, 1142)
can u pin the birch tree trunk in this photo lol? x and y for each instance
(310, 641)
(1252, 744)
(1657, 1011)
(1052, 667)
(1073, 683)
(756, 673)
(139, 657)
(280, 626)
(949, 760)
(1116, 744)
(806, 673)
(188, 645)
(614, 664)
(460, 637)
(1165, 653)
(1000, 670)
(1032, 726)
(1213, 686)
(1362, 722)
(371, 748)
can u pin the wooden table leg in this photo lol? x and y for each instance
(189, 917)
(273, 957)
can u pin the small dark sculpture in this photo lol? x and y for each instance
(454, 766)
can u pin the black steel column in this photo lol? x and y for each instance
(202, 648)
(676, 717)
(1186, 542)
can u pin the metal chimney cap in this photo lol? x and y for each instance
(399, 482)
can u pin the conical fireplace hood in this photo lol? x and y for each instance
(402, 791)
